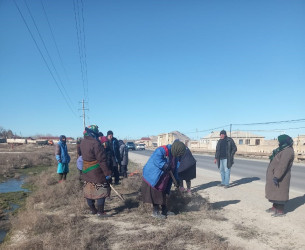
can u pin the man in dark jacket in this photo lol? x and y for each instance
(115, 154)
(224, 157)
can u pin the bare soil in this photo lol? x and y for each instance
(245, 223)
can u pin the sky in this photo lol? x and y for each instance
(145, 67)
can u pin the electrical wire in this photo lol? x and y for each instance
(80, 31)
(211, 129)
(272, 130)
(44, 59)
(48, 54)
(57, 49)
(252, 124)
(265, 123)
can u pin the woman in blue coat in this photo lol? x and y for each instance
(62, 157)
(156, 176)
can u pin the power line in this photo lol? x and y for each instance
(80, 31)
(45, 61)
(84, 44)
(272, 130)
(265, 123)
(48, 54)
(56, 46)
(252, 124)
(211, 129)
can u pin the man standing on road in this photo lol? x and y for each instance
(115, 156)
(224, 157)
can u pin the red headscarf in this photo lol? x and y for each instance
(103, 139)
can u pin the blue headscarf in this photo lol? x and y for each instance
(63, 139)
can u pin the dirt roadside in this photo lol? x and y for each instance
(243, 206)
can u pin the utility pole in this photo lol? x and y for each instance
(84, 115)
(230, 129)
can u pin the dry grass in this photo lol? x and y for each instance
(246, 232)
(56, 216)
(25, 157)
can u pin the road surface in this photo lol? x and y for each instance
(247, 170)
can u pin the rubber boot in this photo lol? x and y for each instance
(165, 212)
(93, 209)
(101, 208)
(156, 213)
(92, 206)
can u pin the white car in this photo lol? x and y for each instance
(140, 146)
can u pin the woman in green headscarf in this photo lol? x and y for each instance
(278, 175)
(95, 172)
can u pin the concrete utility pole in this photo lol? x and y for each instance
(230, 129)
(84, 115)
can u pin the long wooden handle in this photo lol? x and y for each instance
(120, 196)
(173, 177)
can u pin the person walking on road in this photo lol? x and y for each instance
(62, 157)
(224, 157)
(278, 175)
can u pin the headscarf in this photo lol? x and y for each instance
(63, 139)
(285, 141)
(104, 139)
(178, 148)
(92, 131)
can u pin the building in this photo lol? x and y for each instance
(148, 141)
(169, 138)
(299, 145)
(244, 140)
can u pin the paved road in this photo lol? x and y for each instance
(248, 170)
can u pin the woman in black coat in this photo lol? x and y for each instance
(186, 170)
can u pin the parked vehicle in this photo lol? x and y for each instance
(130, 145)
(140, 146)
(16, 141)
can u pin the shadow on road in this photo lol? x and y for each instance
(222, 204)
(243, 181)
(294, 203)
(205, 186)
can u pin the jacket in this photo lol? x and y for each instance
(124, 155)
(279, 167)
(61, 152)
(153, 173)
(115, 150)
(231, 150)
(187, 166)
(93, 153)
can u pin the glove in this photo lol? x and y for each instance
(276, 181)
(108, 177)
(166, 167)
